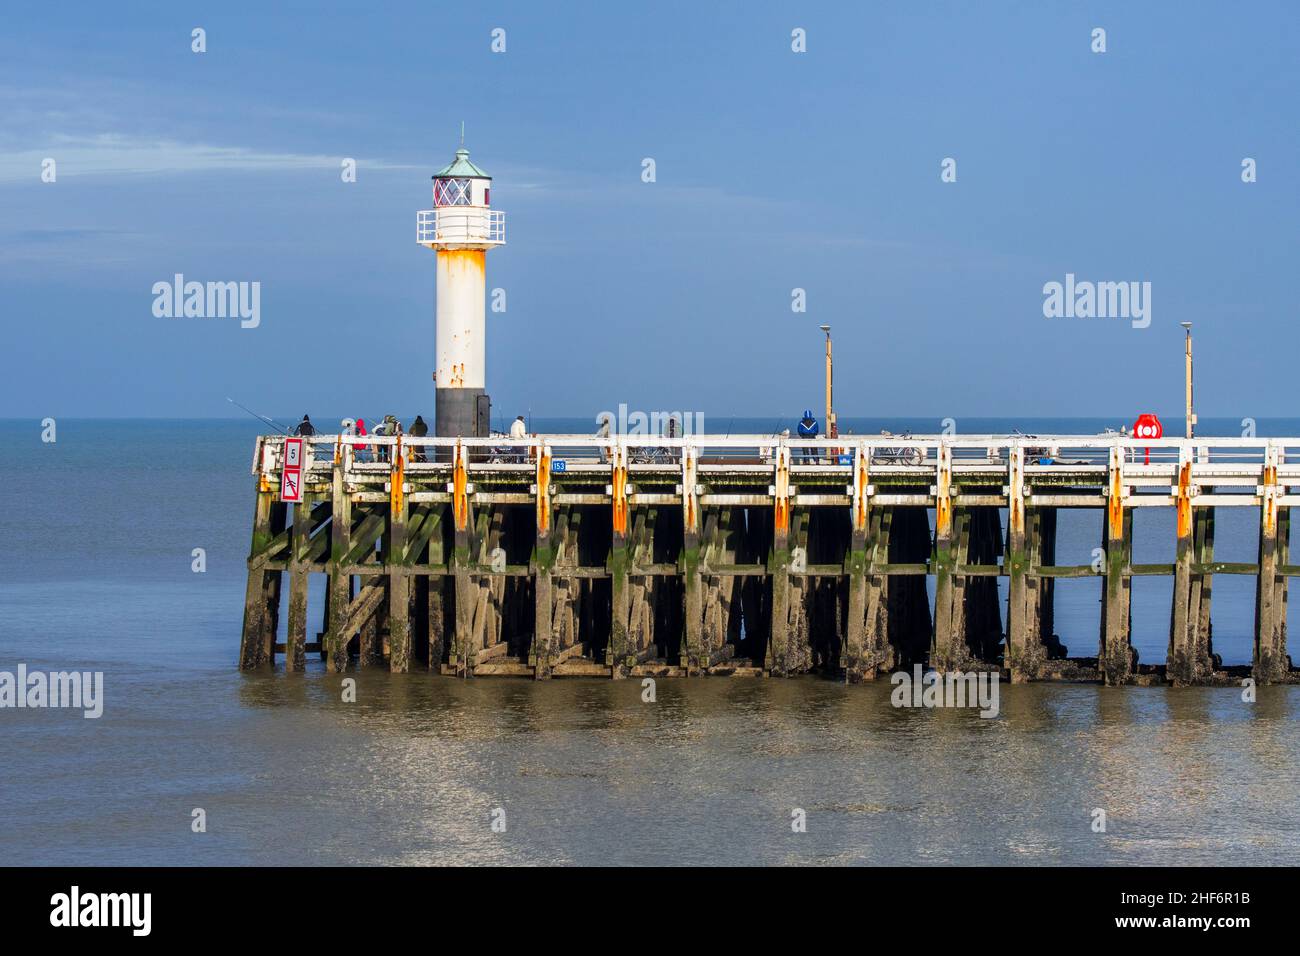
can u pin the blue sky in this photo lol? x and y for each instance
(775, 170)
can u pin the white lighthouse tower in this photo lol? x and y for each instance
(461, 228)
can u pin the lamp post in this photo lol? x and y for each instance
(1191, 415)
(831, 430)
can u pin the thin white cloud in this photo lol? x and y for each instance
(109, 154)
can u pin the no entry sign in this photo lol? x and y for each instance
(291, 478)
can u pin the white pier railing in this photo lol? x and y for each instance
(1074, 459)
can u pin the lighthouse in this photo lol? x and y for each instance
(460, 228)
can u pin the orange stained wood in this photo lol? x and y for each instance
(544, 492)
(1269, 504)
(860, 484)
(943, 500)
(781, 511)
(1185, 500)
(460, 499)
(690, 518)
(619, 482)
(1115, 501)
(1016, 497)
(396, 478)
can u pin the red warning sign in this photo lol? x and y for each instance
(291, 478)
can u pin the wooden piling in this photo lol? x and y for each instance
(340, 579)
(295, 654)
(1116, 658)
(397, 568)
(261, 597)
(1270, 658)
(1187, 661)
(718, 564)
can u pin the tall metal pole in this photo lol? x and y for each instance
(1190, 414)
(830, 378)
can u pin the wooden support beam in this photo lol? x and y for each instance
(618, 651)
(853, 652)
(460, 657)
(439, 639)
(1025, 653)
(1202, 581)
(397, 561)
(257, 641)
(692, 648)
(1270, 658)
(878, 652)
(779, 568)
(295, 655)
(340, 582)
(1187, 660)
(1116, 657)
(948, 651)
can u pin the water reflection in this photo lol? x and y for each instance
(710, 772)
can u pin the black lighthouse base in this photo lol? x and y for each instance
(463, 413)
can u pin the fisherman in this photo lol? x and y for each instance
(362, 448)
(419, 429)
(518, 433)
(305, 427)
(808, 429)
(670, 431)
(389, 427)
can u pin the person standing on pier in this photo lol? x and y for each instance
(361, 449)
(518, 433)
(670, 431)
(808, 428)
(305, 427)
(419, 429)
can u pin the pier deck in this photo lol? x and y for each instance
(567, 555)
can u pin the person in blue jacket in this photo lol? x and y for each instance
(808, 428)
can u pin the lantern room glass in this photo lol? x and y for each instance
(452, 192)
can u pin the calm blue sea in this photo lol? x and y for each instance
(95, 574)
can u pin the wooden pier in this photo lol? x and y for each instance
(643, 556)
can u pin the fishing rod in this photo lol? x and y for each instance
(274, 424)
